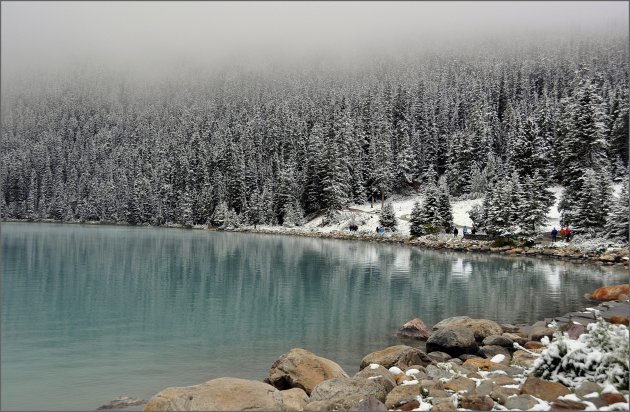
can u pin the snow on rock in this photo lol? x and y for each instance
(498, 358)
(395, 370)
(411, 372)
(374, 365)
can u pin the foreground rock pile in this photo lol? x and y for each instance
(471, 364)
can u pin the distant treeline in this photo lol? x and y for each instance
(270, 147)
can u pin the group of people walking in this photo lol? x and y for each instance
(464, 231)
(565, 233)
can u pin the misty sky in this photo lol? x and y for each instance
(44, 34)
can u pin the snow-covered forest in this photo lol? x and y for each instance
(503, 121)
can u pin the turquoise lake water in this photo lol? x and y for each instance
(90, 313)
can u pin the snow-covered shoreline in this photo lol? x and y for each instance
(594, 252)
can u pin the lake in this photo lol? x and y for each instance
(90, 313)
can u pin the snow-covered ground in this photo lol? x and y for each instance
(366, 216)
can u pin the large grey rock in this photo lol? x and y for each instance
(123, 402)
(491, 351)
(401, 356)
(521, 402)
(302, 369)
(481, 328)
(401, 395)
(545, 390)
(294, 399)
(369, 403)
(222, 394)
(348, 392)
(498, 340)
(414, 329)
(379, 375)
(446, 322)
(454, 341)
(439, 356)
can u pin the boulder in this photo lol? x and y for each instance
(485, 387)
(477, 403)
(446, 322)
(454, 341)
(509, 328)
(348, 392)
(566, 404)
(501, 394)
(481, 328)
(122, 403)
(409, 406)
(533, 344)
(401, 356)
(619, 320)
(440, 372)
(378, 374)
(491, 351)
(523, 358)
(414, 329)
(515, 338)
(443, 404)
(294, 399)
(323, 406)
(302, 369)
(461, 384)
(438, 356)
(483, 364)
(498, 340)
(613, 397)
(521, 402)
(576, 330)
(402, 394)
(539, 332)
(586, 388)
(369, 403)
(607, 293)
(545, 390)
(222, 394)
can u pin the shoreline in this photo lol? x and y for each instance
(613, 257)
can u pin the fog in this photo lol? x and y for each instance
(48, 36)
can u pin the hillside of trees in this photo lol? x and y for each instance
(267, 146)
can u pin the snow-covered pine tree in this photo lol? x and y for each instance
(387, 218)
(445, 210)
(617, 221)
(416, 227)
(477, 181)
(533, 209)
(335, 179)
(219, 214)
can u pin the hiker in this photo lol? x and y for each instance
(378, 229)
(465, 231)
(473, 230)
(563, 233)
(568, 233)
(554, 234)
(455, 232)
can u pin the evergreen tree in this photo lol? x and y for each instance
(417, 226)
(387, 217)
(445, 210)
(617, 223)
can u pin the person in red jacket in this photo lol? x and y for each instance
(568, 233)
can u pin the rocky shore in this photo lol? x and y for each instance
(467, 364)
(618, 256)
